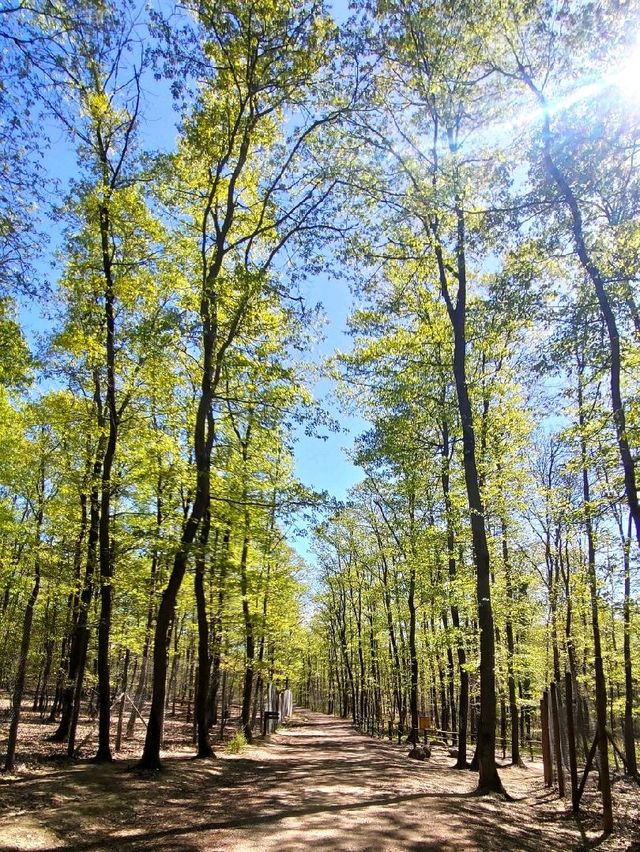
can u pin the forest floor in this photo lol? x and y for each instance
(316, 784)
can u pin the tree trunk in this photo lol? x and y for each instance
(571, 736)
(631, 765)
(597, 279)
(249, 638)
(112, 415)
(41, 697)
(18, 690)
(80, 636)
(546, 740)
(73, 608)
(166, 615)
(513, 704)
(204, 661)
(463, 699)
(489, 780)
(413, 654)
(216, 629)
(141, 691)
(557, 740)
(386, 595)
(123, 695)
(106, 605)
(601, 688)
(204, 436)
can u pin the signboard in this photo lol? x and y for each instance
(424, 723)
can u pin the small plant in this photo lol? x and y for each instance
(237, 742)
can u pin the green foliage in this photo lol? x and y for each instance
(419, 171)
(237, 743)
(15, 358)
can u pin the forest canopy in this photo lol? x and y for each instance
(470, 172)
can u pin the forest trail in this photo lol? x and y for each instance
(316, 784)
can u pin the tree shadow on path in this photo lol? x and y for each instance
(318, 785)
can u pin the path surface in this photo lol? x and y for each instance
(317, 784)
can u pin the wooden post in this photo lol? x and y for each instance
(555, 713)
(571, 735)
(546, 744)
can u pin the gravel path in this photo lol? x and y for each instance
(317, 784)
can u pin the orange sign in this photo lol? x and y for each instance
(424, 723)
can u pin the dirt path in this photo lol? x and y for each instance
(316, 784)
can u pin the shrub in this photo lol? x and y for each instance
(236, 743)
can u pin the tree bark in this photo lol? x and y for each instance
(513, 704)
(204, 660)
(463, 700)
(386, 596)
(413, 654)
(489, 780)
(104, 530)
(150, 759)
(546, 740)
(597, 279)
(141, 691)
(249, 638)
(571, 736)
(631, 765)
(80, 636)
(216, 629)
(204, 435)
(601, 688)
(557, 741)
(18, 690)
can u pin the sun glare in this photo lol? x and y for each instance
(627, 76)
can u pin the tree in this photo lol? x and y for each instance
(593, 183)
(248, 194)
(39, 477)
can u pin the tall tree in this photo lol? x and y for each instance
(248, 195)
(594, 186)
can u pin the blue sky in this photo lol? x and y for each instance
(323, 463)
